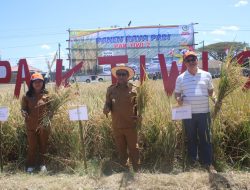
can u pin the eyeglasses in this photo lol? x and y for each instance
(121, 74)
(190, 60)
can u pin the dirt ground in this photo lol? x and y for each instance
(186, 180)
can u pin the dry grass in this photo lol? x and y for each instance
(187, 180)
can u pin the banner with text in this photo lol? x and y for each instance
(172, 41)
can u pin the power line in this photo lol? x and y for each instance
(32, 45)
(32, 29)
(56, 27)
(34, 57)
(30, 36)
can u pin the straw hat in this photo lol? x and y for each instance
(131, 71)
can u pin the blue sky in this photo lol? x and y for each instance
(33, 29)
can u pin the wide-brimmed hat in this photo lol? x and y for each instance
(37, 76)
(189, 53)
(131, 71)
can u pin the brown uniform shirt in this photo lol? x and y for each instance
(36, 107)
(121, 101)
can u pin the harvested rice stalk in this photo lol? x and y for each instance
(57, 100)
(142, 100)
(231, 79)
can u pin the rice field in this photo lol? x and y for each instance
(160, 138)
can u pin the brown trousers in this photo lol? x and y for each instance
(126, 140)
(37, 140)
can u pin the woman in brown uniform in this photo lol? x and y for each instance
(34, 106)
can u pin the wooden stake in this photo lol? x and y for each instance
(82, 144)
(81, 132)
(184, 149)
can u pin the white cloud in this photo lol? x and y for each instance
(241, 3)
(45, 46)
(219, 32)
(223, 30)
(233, 28)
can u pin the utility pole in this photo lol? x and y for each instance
(193, 44)
(69, 47)
(202, 42)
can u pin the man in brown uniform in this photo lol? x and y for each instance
(121, 102)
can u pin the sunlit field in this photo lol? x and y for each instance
(161, 140)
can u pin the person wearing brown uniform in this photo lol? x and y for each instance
(34, 105)
(121, 102)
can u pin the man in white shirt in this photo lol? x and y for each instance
(194, 87)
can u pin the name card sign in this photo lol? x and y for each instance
(181, 112)
(4, 114)
(79, 114)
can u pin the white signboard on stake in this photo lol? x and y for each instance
(4, 114)
(181, 112)
(78, 114)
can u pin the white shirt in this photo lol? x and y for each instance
(194, 89)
